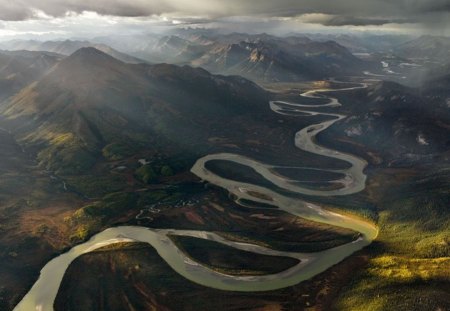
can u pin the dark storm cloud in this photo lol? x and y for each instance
(11, 11)
(339, 20)
(344, 12)
(430, 6)
(24, 9)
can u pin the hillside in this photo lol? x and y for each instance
(397, 123)
(20, 68)
(433, 48)
(280, 60)
(437, 83)
(91, 100)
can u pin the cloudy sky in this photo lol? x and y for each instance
(69, 18)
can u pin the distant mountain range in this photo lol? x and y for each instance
(263, 57)
(260, 57)
(70, 108)
(280, 61)
(66, 47)
(364, 43)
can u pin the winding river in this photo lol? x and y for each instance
(43, 293)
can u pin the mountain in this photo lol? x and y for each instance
(363, 43)
(172, 49)
(130, 44)
(66, 47)
(237, 37)
(433, 48)
(19, 68)
(436, 86)
(91, 100)
(260, 57)
(399, 124)
(287, 59)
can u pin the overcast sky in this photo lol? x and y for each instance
(68, 18)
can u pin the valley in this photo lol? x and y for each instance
(179, 189)
(44, 299)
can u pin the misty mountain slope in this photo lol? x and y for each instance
(261, 57)
(19, 68)
(364, 43)
(241, 59)
(433, 48)
(437, 84)
(397, 123)
(67, 47)
(172, 49)
(280, 60)
(90, 100)
(236, 37)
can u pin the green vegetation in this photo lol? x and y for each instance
(150, 173)
(415, 219)
(399, 283)
(65, 154)
(118, 151)
(92, 217)
(146, 174)
(81, 233)
(166, 170)
(66, 161)
(96, 186)
(410, 264)
(109, 206)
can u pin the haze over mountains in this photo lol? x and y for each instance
(90, 100)
(428, 47)
(66, 47)
(266, 58)
(225, 155)
(104, 132)
(74, 107)
(404, 125)
(21, 68)
(70, 108)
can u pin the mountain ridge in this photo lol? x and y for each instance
(67, 47)
(90, 100)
